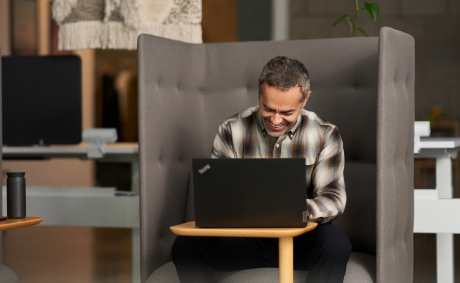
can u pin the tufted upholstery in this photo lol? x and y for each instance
(395, 158)
(6, 274)
(363, 85)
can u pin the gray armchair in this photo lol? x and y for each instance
(363, 85)
(6, 274)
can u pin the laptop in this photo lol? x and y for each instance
(239, 193)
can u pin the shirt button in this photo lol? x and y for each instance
(277, 145)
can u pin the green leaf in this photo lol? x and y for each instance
(373, 10)
(363, 32)
(340, 19)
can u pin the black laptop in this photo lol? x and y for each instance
(249, 192)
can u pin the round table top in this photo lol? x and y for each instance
(190, 229)
(18, 223)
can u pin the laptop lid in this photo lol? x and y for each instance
(249, 192)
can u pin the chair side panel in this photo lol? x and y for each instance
(395, 159)
(161, 146)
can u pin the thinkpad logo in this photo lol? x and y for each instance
(204, 169)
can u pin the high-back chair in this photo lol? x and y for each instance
(365, 86)
(6, 274)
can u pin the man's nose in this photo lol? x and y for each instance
(276, 119)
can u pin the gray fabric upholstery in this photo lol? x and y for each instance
(361, 268)
(363, 85)
(6, 275)
(395, 157)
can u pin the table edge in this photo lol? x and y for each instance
(25, 222)
(186, 229)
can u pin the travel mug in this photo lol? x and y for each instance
(16, 195)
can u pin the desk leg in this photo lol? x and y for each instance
(136, 254)
(444, 177)
(135, 175)
(445, 257)
(286, 259)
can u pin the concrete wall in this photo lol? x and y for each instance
(435, 25)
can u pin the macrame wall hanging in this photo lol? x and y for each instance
(116, 24)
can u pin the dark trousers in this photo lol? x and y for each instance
(324, 252)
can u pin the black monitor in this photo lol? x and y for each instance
(41, 100)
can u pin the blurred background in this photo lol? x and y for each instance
(109, 99)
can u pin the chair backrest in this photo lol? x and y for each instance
(187, 90)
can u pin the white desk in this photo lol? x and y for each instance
(435, 210)
(115, 152)
(89, 207)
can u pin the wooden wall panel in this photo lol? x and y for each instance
(220, 20)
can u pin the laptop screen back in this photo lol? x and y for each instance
(249, 192)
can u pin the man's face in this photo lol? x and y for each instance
(279, 109)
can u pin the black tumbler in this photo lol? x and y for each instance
(16, 195)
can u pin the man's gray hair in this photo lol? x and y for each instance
(283, 73)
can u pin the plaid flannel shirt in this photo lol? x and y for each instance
(244, 136)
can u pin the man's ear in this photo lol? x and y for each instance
(306, 98)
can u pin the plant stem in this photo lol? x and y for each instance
(353, 31)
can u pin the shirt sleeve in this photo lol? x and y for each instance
(223, 146)
(328, 195)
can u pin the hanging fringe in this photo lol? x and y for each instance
(174, 19)
(115, 35)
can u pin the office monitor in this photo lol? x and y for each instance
(41, 100)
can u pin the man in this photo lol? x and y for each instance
(279, 128)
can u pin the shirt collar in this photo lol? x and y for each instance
(291, 132)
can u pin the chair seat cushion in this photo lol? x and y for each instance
(7, 275)
(360, 268)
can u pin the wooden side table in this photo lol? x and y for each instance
(285, 235)
(18, 223)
